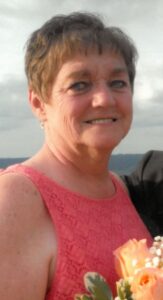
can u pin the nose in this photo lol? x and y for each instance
(103, 96)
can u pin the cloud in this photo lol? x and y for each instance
(22, 141)
(149, 116)
(14, 104)
(142, 20)
(148, 89)
(148, 98)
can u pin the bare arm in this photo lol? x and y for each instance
(24, 258)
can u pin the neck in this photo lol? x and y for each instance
(85, 174)
(91, 162)
(89, 177)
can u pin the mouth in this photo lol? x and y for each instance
(101, 121)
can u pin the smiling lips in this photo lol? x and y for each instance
(101, 121)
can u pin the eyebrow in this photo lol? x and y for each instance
(79, 74)
(87, 73)
(119, 70)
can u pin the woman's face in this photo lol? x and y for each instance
(90, 104)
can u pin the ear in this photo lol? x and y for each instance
(37, 105)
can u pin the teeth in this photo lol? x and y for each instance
(101, 121)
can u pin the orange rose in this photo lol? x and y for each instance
(147, 284)
(130, 257)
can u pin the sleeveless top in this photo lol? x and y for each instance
(88, 231)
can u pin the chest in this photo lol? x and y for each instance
(89, 232)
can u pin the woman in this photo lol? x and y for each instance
(62, 212)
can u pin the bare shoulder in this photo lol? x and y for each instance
(25, 229)
(13, 185)
(19, 200)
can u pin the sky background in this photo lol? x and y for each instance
(20, 133)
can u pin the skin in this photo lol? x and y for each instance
(88, 113)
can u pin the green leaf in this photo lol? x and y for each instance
(82, 297)
(97, 286)
(124, 290)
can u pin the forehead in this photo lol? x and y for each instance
(82, 65)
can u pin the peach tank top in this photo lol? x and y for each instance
(88, 231)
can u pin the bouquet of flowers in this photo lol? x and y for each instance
(140, 270)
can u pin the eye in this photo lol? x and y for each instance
(81, 86)
(118, 84)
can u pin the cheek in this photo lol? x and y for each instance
(129, 109)
(127, 106)
(65, 118)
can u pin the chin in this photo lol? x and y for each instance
(106, 142)
(104, 147)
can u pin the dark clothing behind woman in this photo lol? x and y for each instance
(145, 186)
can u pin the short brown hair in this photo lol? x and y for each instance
(63, 36)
